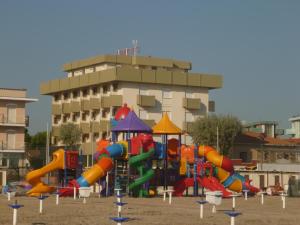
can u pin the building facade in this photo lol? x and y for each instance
(266, 160)
(294, 131)
(94, 88)
(13, 121)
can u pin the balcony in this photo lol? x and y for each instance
(187, 126)
(112, 100)
(145, 101)
(95, 127)
(191, 103)
(104, 125)
(56, 109)
(66, 108)
(85, 128)
(4, 147)
(5, 121)
(95, 103)
(55, 131)
(85, 105)
(75, 106)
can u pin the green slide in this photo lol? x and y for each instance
(145, 173)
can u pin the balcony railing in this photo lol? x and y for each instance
(4, 120)
(5, 146)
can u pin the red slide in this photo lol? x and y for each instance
(210, 183)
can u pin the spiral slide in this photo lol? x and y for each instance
(98, 170)
(145, 175)
(34, 177)
(225, 171)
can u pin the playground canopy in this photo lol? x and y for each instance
(131, 123)
(166, 126)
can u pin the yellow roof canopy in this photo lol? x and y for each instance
(166, 126)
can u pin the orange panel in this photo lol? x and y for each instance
(187, 152)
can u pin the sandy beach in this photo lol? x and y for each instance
(183, 211)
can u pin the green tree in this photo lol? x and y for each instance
(36, 149)
(39, 140)
(70, 134)
(204, 131)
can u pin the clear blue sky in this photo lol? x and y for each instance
(253, 44)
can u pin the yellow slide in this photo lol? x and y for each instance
(34, 177)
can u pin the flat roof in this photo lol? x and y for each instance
(261, 123)
(14, 89)
(133, 75)
(129, 60)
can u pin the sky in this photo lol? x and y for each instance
(253, 44)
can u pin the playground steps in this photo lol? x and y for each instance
(121, 175)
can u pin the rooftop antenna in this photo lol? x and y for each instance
(130, 51)
(136, 47)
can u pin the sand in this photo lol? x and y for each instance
(183, 211)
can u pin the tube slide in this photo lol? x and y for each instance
(225, 171)
(145, 175)
(104, 164)
(34, 177)
(98, 170)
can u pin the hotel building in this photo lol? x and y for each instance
(95, 88)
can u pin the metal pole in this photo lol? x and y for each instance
(218, 149)
(47, 151)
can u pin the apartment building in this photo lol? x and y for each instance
(94, 88)
(268, 128)
(13, 121)
(294, 131)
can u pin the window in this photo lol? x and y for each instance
(85, 138)
(84, 93)
(104, 135)
(105, 113)
(57, 119)
(56, 98)
(75, 94)
(11, 113)
(95, 114)
(114, 110)
(66, 118)
(167, 94)
(66, 95)
(95, 90)
(84, 116)
(11, 139)
(75, 116)
(115, 87)
(95, 136)
(105, 89)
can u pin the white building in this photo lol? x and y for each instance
(294, 131)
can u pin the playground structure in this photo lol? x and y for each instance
(130, 162)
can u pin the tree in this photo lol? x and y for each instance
(204, 131)
(36, 148)
(70, 134)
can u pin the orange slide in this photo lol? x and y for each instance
(225, 171)
(34, 177)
